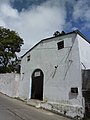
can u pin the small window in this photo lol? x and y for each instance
(60, 45)
(74, 90)
(28, 58)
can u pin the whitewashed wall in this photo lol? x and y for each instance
(9, 84)
(84, 51)
(46, 56)
(57, 81)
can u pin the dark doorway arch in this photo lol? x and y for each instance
(37, 85)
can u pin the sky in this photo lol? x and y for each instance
(35, 20)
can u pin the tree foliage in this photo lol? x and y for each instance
(10, 44)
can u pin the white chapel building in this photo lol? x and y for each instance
(56, 71)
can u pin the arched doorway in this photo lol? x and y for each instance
(37, 85)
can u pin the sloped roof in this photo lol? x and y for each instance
(76, 31)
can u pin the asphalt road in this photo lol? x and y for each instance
(12, 109)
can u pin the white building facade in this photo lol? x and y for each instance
(51, 71)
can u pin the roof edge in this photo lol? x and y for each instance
(82, 35)
(76, 31)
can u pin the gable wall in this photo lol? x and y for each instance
(57, 81)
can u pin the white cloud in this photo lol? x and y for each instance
(82, 10)
(2, 23)
(80, 15)
(36, 23)
(8, 11)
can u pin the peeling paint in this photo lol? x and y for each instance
(65, 109)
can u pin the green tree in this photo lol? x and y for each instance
(10, 44)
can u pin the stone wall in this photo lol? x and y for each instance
(9, 83)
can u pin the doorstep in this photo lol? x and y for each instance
(34, 103)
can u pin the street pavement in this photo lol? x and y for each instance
(13, 109)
